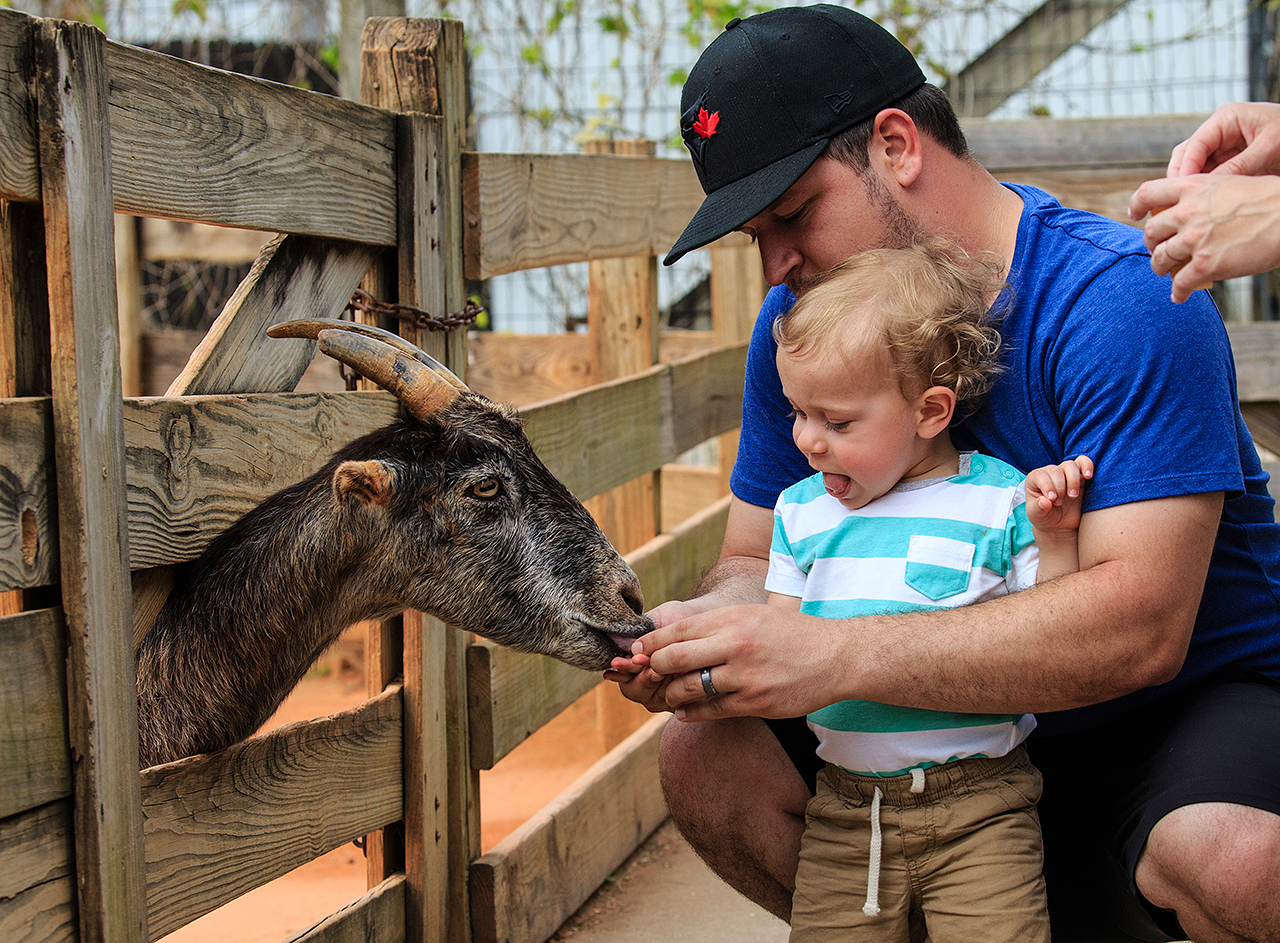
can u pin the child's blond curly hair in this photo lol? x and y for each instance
(926, 307)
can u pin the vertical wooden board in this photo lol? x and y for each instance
(737, 291)
(35, 766)
(129, 303)
(416, 67)
(24, 301)
(19, 167)
(89, 452)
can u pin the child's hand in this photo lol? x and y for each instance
(1055, 493)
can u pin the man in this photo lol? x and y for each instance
(1151, 670)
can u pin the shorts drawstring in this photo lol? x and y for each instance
(872, 907)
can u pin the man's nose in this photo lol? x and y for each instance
(778, 258)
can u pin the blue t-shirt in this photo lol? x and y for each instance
(1097, 361)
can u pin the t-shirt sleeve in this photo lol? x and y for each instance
(768, 460)
(1024, 556)
(1151, 398)
(784, 575)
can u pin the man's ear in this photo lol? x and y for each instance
(370, 482)
(897, 139)
(934, 409)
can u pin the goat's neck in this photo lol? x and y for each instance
(247, 620)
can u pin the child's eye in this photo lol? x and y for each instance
(838, 426)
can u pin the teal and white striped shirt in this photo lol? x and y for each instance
(933, 544)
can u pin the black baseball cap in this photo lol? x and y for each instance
(764, 99)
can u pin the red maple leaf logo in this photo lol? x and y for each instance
(706, 123)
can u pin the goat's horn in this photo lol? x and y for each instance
(421, 390)
(311, 327)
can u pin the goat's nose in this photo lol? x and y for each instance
(632, 595)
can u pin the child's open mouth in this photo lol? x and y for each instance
(837, 485)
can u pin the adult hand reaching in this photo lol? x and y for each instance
(1206, 228)
(765, 661)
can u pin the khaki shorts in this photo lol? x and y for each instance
(965, 853)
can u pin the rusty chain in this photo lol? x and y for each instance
(361, 300)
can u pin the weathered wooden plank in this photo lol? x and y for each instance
(526, 368)
(417, 67)
(530, 210)
(737, 291)
(75, 189)
(37, 879)
(44, 912)
(28, 515)
(1263, 420)
(36, 847)
(198, 463)
(511, 695)
(706, 396)
(377, 917)
(293, 277)
(221, 824)
(19, 164)
(199, 144)
(1007, 144)
(35, 765)
(1256, 349)
(527, 886)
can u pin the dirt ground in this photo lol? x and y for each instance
(521, 784)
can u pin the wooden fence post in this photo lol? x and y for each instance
(417, 68)
(622, 316)
(737, 291)
(76, 193)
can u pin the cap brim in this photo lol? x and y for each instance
(735, 203)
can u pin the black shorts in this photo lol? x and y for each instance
(1106, 788)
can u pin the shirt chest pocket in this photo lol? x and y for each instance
(938, 567)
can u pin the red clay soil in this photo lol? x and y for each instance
(517, 787)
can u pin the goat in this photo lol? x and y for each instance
(447, 510)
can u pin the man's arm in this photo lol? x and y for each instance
(1122, 623)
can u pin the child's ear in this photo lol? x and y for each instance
(934, 409)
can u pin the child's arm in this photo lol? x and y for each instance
(786, 602)
(1054, 496)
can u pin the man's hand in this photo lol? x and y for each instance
(639, 682)
(1209, 227)
(1238, 138)
(756, 664)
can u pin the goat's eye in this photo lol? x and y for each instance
(487, 488)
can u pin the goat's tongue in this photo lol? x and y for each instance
(836, 485)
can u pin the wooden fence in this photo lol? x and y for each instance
(100, 493)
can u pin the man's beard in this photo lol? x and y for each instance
(900, 230)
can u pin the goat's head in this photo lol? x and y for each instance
(468, 523)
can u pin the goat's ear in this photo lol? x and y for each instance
(370, 482)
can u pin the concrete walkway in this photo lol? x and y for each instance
(664, 892)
